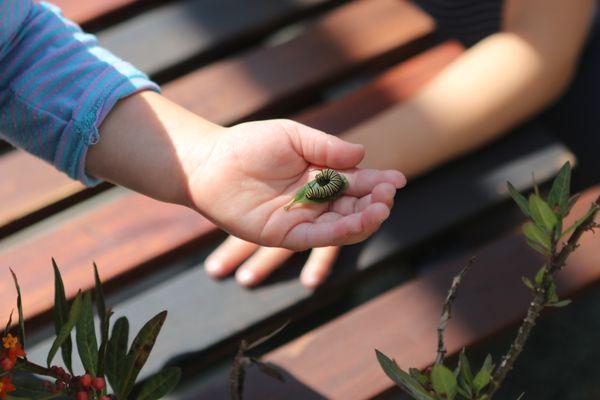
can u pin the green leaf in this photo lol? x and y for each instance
(560, 303)
(536, 188)
(580, 221)
(8, 323)
(482, 379)
(116, 354)
(61, 316)
(541, 213)
(536, 235)
(104, 317)
(21, 333)
(572, 200)
(268, 369)
(539, 276)
(559, 194)
(419, 376)
(85, 335)
(519, 199)
(28, 387)
(551, 295)
(401, 378)
(465, 373)
(444, 381)
(99, 297)
(540, 249)
(140, 351)
(160, 384)
(65, 331)
(263, 339)
(527, 282)
(465, 392)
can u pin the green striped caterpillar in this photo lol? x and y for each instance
(328, 185)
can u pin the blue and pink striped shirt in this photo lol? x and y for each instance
(57, 85)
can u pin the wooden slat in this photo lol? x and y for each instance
(223, 93)
(347, 38)
(207, 317)
(140, 238)
(393, 86)
(178, 31)
(84, 11)
(337, 360)
(28, 185)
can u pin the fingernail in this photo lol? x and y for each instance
(245, 277)
(213, 267)
(310, 281)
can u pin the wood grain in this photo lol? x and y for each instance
(393, 86)
(119, 230)
(178, 31)
(29, 184)
(344, 40)
(337, 360)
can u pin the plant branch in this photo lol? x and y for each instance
(447, 311)
(238, 372)
(557, 261)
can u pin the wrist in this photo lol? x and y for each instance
(151, 145)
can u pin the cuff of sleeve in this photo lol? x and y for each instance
(82, 130)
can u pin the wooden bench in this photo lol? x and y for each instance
(230, 62)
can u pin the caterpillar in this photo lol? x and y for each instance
(329, 184)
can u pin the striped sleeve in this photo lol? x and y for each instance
(56, 87)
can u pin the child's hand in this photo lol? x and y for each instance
(254, 169)
(241, 177)
(253, 263)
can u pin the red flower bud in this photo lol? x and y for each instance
(98, 383)
(7, 364)
(105, 398)
(60, 385)
(82, 396)
(86, 380)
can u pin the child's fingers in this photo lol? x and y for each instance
(258, 267)
(228, 256)
(318, 266)
(345, 230)
(320, 148)
(382, 193)
(361, 182)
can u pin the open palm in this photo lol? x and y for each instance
(254, 170)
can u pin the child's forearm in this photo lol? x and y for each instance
(150, 145)
(498, 83)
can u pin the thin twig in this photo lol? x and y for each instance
(556, 263)
(447, 311)
(238, 372)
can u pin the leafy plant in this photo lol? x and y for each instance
(237, 373)
(107, 356)
(544, 233)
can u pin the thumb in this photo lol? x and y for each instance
(322, 149)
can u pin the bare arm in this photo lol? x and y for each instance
(496, 84)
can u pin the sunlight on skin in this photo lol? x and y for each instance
(241, 177)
